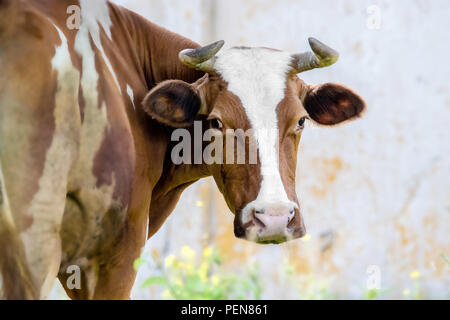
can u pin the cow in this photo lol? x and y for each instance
(87, 116)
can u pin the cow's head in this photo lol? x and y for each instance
(257, 90)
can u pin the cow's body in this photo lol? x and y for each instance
(86, 120)
(79, 159)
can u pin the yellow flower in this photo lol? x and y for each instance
(215, 280)
(189, 267)
(155, 254)
(415, 275)
(170, 261)
(207, 252)
(406, 292)
(166, 295)
(200, 204)
(178, 282)
(203, 272)
(306, 237)
(188, 253)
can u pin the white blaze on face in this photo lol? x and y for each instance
(258, 77)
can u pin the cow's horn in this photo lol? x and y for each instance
(322, 56)
(201, 58)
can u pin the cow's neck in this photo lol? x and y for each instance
(174, 180)
(176, 176)
(157, 50)
(154, 50)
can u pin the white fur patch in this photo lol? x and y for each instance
(258, 77)
(5, 210)
(131, 95)
(95, 117)
(42, 242)
(61, 60)
(93, 14)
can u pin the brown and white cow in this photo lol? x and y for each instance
(86, 118)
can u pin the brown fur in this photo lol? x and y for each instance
(8, 16)
(17, 283)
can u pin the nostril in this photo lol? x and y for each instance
(258, 222)
(291, 222)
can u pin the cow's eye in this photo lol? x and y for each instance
(216, 124)
(301, 122)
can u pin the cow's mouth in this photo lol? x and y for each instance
(277, 240)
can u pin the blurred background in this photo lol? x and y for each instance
(375, 193)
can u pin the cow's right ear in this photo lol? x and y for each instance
(174, 103)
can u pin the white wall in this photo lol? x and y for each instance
(376, 191)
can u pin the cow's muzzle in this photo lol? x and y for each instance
(275, 224)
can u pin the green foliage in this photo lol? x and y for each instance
(308, 287)
(192, 276)
(373, 294)
(445, 259)
(188, 277)
(311, 288)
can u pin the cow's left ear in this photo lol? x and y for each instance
(332, 103)
(173, 102)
